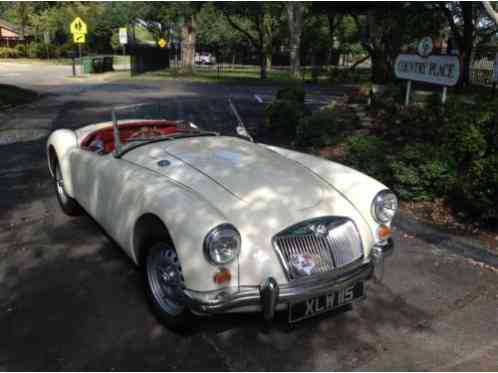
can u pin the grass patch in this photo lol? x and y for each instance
(237, 75)
(11, 96)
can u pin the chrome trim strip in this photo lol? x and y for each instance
(291, 292)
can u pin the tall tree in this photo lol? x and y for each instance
(19, 13)
(259, 24)
(295, 16)
(469, 27)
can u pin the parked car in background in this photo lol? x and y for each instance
(222, 224)
(204, 58)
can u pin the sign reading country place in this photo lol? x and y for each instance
(436, 69)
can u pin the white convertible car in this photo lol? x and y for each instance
(222, 224)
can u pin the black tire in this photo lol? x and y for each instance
(162, 278)
(68, 205)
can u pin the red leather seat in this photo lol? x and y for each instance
(106, 135)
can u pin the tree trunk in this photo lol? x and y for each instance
(189, 34)
(295, 12)
(468, 40)
(267, 40)
(262, 64)
(491, 12)
(380, 67)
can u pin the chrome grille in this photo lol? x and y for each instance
(339, 247)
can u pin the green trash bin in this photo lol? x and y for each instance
(87, 65)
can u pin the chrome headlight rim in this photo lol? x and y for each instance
(377, 206)
(220, 231)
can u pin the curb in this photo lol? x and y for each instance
(456, 245)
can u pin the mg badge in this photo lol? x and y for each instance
(303, 264)
(320, 230)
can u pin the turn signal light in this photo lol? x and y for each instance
(383, 232)
(223, 275)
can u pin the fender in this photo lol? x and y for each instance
(356, 187)
(59, 144)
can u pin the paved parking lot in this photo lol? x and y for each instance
(70, 300)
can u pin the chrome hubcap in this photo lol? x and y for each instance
(165, 279)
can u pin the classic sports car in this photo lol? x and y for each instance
(221, 223)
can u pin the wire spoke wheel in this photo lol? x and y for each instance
(165, 279)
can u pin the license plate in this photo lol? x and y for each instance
(326, 302)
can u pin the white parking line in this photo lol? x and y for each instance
(259, 99)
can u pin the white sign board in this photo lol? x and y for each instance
(436, 69)
(494, 77)
(123, 35)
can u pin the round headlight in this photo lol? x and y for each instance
(384, 206)
(222, 244)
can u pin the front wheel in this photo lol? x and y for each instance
(164, 283)
(68, 205)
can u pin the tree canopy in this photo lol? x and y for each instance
(268, 32)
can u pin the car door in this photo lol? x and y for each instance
(98, 181)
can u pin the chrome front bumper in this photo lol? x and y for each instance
(270, 295)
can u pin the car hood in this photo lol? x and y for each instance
(250, 173)
(256, 189)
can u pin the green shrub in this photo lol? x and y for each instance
(436, 151)
(64, 50)
(422, 172)
(283, 117)
(9, 53)
(22, 50)
(319, 129)
(41, 50)
(476, 189)
(294, 93)
(368, 154)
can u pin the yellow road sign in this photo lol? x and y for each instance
(79, 38)
(162, 42)
(78, 26)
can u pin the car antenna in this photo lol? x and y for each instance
(117, 139)
(241, 128)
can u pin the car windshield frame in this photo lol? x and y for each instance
(136, 143)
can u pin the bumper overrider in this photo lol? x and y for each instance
(270, 296)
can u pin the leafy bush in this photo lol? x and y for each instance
(22, 50)
(9, 53)
(283, 117)
(64, 51)
(294, 93)
(422, 171)
(435, 151)
(367, 154)
(319, 129)
(41, 50)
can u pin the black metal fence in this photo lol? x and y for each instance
(145, 58)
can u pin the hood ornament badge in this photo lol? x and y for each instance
(320, 230)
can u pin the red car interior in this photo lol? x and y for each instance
(140, 129)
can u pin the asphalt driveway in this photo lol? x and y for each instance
(71, 300)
